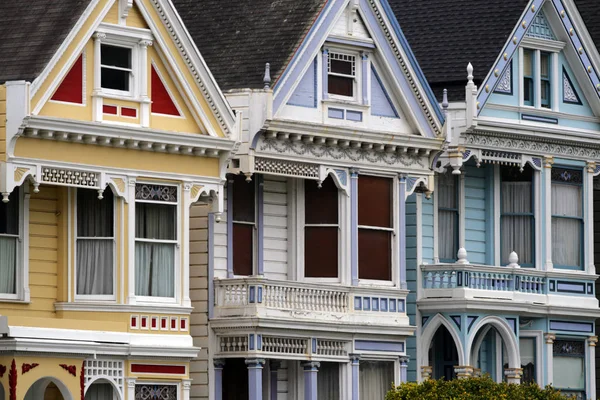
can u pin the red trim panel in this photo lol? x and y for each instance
(158, 369)
(128, 112)
(161, 100)
(106, 109)
(71, 88)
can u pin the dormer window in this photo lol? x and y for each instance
(341, 74)
(537, 75)
(116, 71)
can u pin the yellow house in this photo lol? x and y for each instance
(111, 130)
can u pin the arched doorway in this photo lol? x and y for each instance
(101, 389)
(48, 389)
(443, 356)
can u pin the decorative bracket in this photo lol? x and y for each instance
(206, 193)
(124, 7)
(339, 176)
(419, 184)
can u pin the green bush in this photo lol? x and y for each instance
(471, 389)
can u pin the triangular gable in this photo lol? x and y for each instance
(71, 87)
(195, 82)
(381, 103)
(531, 23)
(350, 23)
(162, 102)
(406, 81)
(305, 94)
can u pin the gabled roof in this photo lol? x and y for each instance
(445, 35)
(31, 32)
(590, 13)
(237, 37)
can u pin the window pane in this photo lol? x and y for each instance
(321, 252)
(155, 221)
(320, 205)
(114, 79)
(341, 67)
(95, 266)
(447, 234)
(340, 85)
(516, 197)
(243, 198)
(242, 249)
(374, 201)
(569, 372)
(376, 379)
(100, 391)
(94, 217)
(528, 63)
(155, 269)
(566, 241)
(447, 184)
(9, 214)
(528, 91)
(545, 65)
(374, 254)
(328, 381)
(8, 264)
(545, 89)
(517, 236)
(115, 56)
(567, 200)
(527, 351)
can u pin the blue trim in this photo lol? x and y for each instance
(314, 345)
(570, 287)
(251, 342)
(456, 319)
(350, 42)
(260, 225)
(259, 342)
(566, 75)
(470, 321)
(572, 326)
(375, 304)
(383, 305)
(513, 323)
(512, 78)
(535, 118)
(259, 294)
(401, 305)
(230, 229)
(386, 94)
(354, 227)
(413, 61)
(211, 264)
(424, 321)
(358, 303)
(315, 83)
(324, 73)
(392, 307)
(356, 116)
(335, 113)
(365, 73)
(252, 294)
(367, 304)
(402, 232)
(375, 345)
(590, 288)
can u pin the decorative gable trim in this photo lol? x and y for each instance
(570, 95)
(540, 28)
(505, 84)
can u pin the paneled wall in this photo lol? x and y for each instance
(476, 215)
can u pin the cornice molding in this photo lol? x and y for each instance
(126, 308)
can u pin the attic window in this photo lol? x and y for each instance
(115, 67)
(341, 74)
(537, 67)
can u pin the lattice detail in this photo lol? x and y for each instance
(569, 93)
(155, 392)
(234, 344)
(567, 175)
(342, 57)
(155, 192)
(71, 177)
(331, 348)
(540, 28)
(501, 157)
(568, 347)
(107, 369)
(288, 168)
(275, 344)
(505, 82)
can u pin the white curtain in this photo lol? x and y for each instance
(328, 381)
(566, 232)
(155, 261)
(95, 246)
(376, 379)
(517, 231)
(447, 217)
(99, 391)
(569, 372)
(8, 264)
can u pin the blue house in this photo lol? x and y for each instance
(501, 257)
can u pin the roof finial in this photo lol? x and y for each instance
(445, 102)
(470, 72)
(267, 77)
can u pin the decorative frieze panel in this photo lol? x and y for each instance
(150, 192)
(336, 348)
(156, 323)
(70, 177)
(278, 344)
(287, 168)
(155, 392)
(569, 347)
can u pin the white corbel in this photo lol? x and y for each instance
(14, 175)
(339, 176)
(124, 7)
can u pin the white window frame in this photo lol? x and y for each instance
(381, 357)
(394, 282)
(460, 186)
(538, 46)
(177, 242)
(94, 297)
(342, 234)
(357, 87)
(539, 349)
(114, 42)
(254, 227)
(22, 292)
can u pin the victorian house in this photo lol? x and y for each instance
(112, 130)
(308, 293)
(504, 270)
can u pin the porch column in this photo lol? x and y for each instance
(513, 375)
(255, 367)
(402, 231)
(186, 385)
(591, 365)
(547, 207)
(463, 371)
(311, 369)
(130, 388)
(355, 360)
(354, 225)
(218, 367)
(426, 372)
(403, 369)
(274, 367)
(550, 338)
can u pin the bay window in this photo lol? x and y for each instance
(244, 223)
(516, 215)
(567, 217)
(375, 228)
(447, 200)
(321, 227)
(95, 243)
(156, 240)
(376, 378)
(9, 243)
(569, 367)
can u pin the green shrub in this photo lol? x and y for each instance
(471, 389)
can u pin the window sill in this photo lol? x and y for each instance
(16, 300)
(114, 307)
(115, 96)
(339, 101)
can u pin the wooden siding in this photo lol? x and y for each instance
(2, 122)
(199, 297)
(412, 269)
(276, 229)
(475, 214)
(305, 94)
